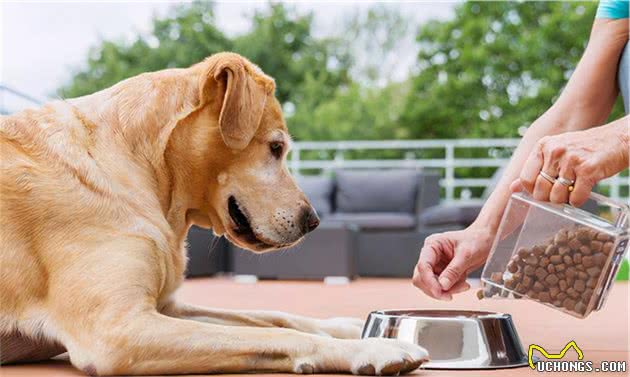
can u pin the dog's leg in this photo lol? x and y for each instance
(103, 309)
(344, 328)
(152, 343)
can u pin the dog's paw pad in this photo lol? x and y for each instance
(90, 370)
(305, 368)
(392, 369)
(367, 370)
(411, 365)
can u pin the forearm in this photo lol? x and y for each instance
(590, 94)
(617, 131)
(586, 101)
(491, 213)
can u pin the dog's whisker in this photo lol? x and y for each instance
(213, 245)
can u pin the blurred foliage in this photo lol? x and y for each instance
(487, 71)
(495, 67)
(181, 40)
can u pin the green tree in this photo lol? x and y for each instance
(181, 40)
(367, 105)
(281, 42)
(307, 70)
(495, 67)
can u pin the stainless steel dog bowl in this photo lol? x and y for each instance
(455, 339)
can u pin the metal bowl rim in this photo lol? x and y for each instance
(456, 314)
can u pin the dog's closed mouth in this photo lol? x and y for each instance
(243, 227)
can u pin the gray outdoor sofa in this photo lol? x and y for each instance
(379, 216)
(373, 223)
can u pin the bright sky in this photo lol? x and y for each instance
(41, 43)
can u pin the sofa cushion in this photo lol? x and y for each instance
(318, 190)
(371, 220)
(449, 214)
(376, 191)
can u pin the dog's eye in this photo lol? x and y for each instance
(276, 149)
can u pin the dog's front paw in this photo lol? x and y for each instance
(387, 357)
(341, 327)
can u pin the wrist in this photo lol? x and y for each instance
(485, 225)
(490, 215)
(625, 141)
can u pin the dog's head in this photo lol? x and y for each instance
(252, 197)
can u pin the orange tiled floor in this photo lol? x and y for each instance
(602, 336)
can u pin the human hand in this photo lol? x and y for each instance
(575, 161)
(447, 258)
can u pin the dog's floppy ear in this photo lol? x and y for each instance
(245, 92)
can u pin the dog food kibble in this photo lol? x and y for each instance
(512, 267)
(544, 297)
(532, 260)
(579, 286)
(607, 248)
(480, 294)
(551, 280)
(562, 271)
(522, 253)
(594, 271)
(567, 260)
(550, 250)
(599, 259)
(529, 270)
(574, 244)
(497, 277)
(568, 304)
(596, 246)
(540, 273)
(580, 307)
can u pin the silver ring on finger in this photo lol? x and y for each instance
(547, 177)
(565, 182)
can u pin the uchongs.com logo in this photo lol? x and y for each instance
(554, 362)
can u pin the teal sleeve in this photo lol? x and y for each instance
(613, 9)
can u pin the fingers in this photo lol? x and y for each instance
(552, 154)
(560, 192)
(582, 189)
(516, 186)
(425, 279)
(429, 265)
(456, 269)
(532, 167)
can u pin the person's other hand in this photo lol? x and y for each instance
(447, 258)
(582, 157)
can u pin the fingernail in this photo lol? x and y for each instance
(444, 282)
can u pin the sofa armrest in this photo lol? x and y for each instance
(428, 190)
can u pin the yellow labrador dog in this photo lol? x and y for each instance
(96, 196)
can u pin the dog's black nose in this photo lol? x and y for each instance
(310, 220)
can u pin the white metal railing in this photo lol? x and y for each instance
(447, 165)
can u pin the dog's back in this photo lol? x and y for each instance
(43, 181)
(60, 175)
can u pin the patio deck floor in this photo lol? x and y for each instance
(602, 336)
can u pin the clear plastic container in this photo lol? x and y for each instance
(557, 255)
